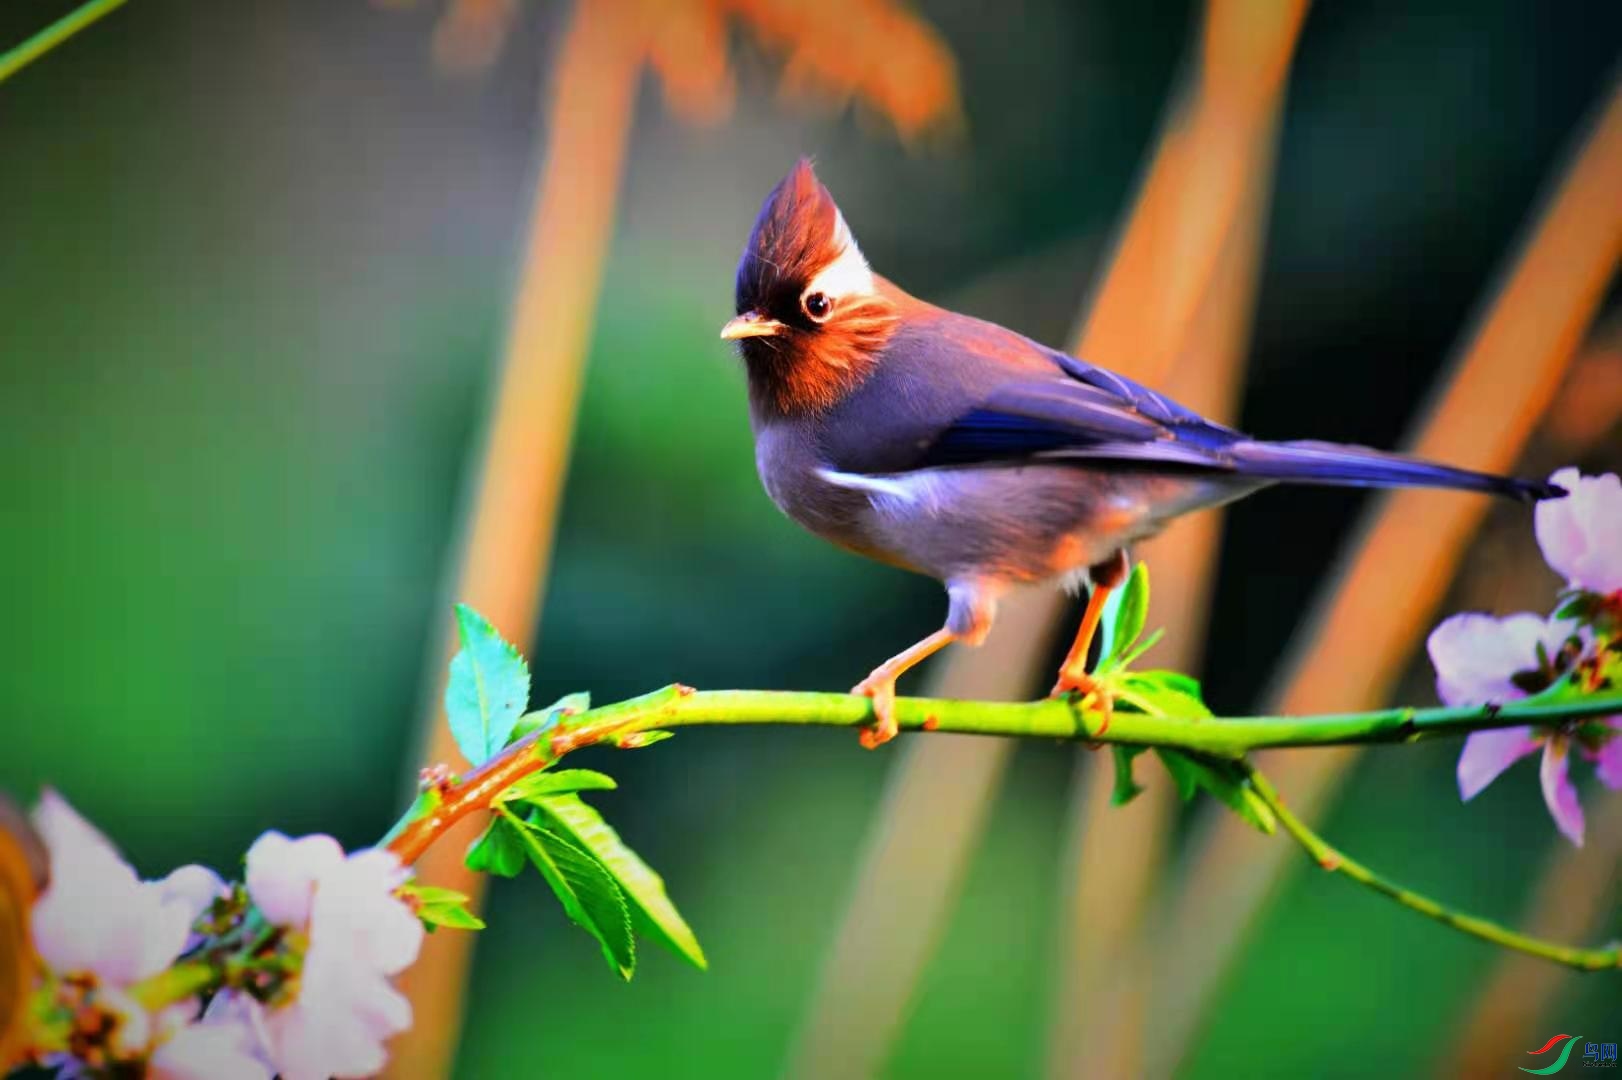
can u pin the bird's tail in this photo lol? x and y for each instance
(1358, 466)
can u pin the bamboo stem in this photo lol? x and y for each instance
(507, 543)
(1100, 1015)
(1393, 577)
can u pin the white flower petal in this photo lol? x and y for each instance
(360, 933)
(1475, 655)
(1579, 533)
(208, 1050)
(1486, 754)
(281, 874)
(1558, 793)
(96, 916)
(192, 886)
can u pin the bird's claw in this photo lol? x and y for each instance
(1080, 682)
(883, 728)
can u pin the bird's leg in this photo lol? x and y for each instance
(1106, 577)
(880, 685)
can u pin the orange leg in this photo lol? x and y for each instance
(880, 685)
(1073, 674)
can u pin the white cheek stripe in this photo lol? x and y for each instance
(848, 275)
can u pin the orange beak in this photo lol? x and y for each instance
(750, 324)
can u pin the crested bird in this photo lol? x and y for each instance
(957, 448)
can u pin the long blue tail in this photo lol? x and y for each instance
(1310, 462)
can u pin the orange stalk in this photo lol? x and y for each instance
(1575, 885)
(1163, 266)
(1115, 854)
(909, 877)
(1386, 591)
(506, 548)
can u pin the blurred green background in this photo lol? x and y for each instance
(255, 261)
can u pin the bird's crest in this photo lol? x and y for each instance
(817, 319)
(798, 235)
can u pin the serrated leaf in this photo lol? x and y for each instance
(1221, 779)
(1126, 787)
(1133, 611)
(540, 784)
(585, 888)
(554, 714)
(498, 850)
(488, 688)
(652, 911)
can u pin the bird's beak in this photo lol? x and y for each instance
(750, 324)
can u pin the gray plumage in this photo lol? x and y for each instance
(963, 450)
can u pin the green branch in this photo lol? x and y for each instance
(1333, 860)
(1066, 719)
(631, 723)
(15, 59)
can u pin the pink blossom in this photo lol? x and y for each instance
(96, 917)
(282, 874)
(1581, 534)
(213, 1048)
(360, 935)
(1477, 658)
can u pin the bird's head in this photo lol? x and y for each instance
(811, 321)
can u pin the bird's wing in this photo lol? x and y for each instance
(956, 391)
(1080, 413)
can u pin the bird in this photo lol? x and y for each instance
(957, 448)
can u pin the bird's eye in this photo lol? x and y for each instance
(817, 305)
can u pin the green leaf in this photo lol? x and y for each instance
(1133, 611)
(433, 894)
(588, 892)
(499, 850)
(1148, 642)
(1126, 788)
(438, 907)
(1220, 778)
(554, 714)
(455, 916)
(539, 784)
(652, 911)
(488, 688)
(1165, 693)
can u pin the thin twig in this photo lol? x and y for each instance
(1337, 862)
(15, 59)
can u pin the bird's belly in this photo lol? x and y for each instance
(1016, 523)
(790, 473)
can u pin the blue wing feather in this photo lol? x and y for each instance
(1087, 413)
(956, 391)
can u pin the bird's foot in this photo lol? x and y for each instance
(1078, 681)
(879, 686)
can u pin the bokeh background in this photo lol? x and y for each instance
(257, 263)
